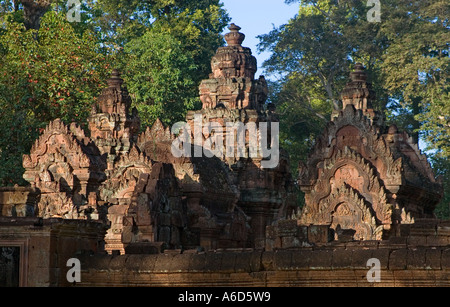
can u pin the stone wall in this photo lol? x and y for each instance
(18, 201)
(338, 264)
(46, 245)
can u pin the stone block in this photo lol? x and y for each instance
(433, 258)
(99, 262)
(302, 233)
(322, 259)
(117, 263)
(443, 231)
(164, 219)
(144, 248)
(176, 219)
(405, 230)
(416, 258)
(319, 234)
(283, 260)
(397, 259)
(267, 261)
(256, 261)
(301, 259)
(445, 259)
(271, 232)
(437, 240)
(397, 241)
(415, 240)
(243, 262)
(163, 262)
(180, 263)
(198, 262)
(228, 262)
(423, 230)
(213, 262)
(164, 234)
(288, 242)
(287, 228)
(359, 258)
(342, 259)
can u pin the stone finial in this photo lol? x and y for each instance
(232, 82)
(115, 80)
(115, 97)
(234, 37)
(358, 92)
(359, 73)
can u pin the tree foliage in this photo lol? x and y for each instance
(406, 56)
(55, 76)
(51, 68)
(161, 77)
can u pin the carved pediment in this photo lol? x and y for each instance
(57, 144)
(345, 208)
(380, 164)
(124, 176)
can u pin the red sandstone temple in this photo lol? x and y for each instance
(117, 191)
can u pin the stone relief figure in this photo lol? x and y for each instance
(207, 102)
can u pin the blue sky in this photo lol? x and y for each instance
(257, 17)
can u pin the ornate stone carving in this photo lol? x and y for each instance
(231, 83)
(64, 167)
(378, 164)
(112, 126)
(142, 192)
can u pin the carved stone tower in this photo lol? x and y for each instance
(112, 127)
(232, 82)
(363, 176)
(359, 93)
(232, 96)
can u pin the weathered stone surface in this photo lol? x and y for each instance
(364, 176)
(398, 259)
(200, 221)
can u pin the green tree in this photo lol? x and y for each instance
(163, 48)
(441, 166)
(406, 55)
(55, 76)
(416, 68)
(161, 77)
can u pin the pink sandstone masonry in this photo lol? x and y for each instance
(337, 266)
(135, 215)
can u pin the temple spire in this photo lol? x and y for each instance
(112, 126)
(234, 38)
(232, 83)
(359, 93)
(115, 97)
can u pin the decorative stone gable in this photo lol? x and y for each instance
(364, 176)
(65, 167)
